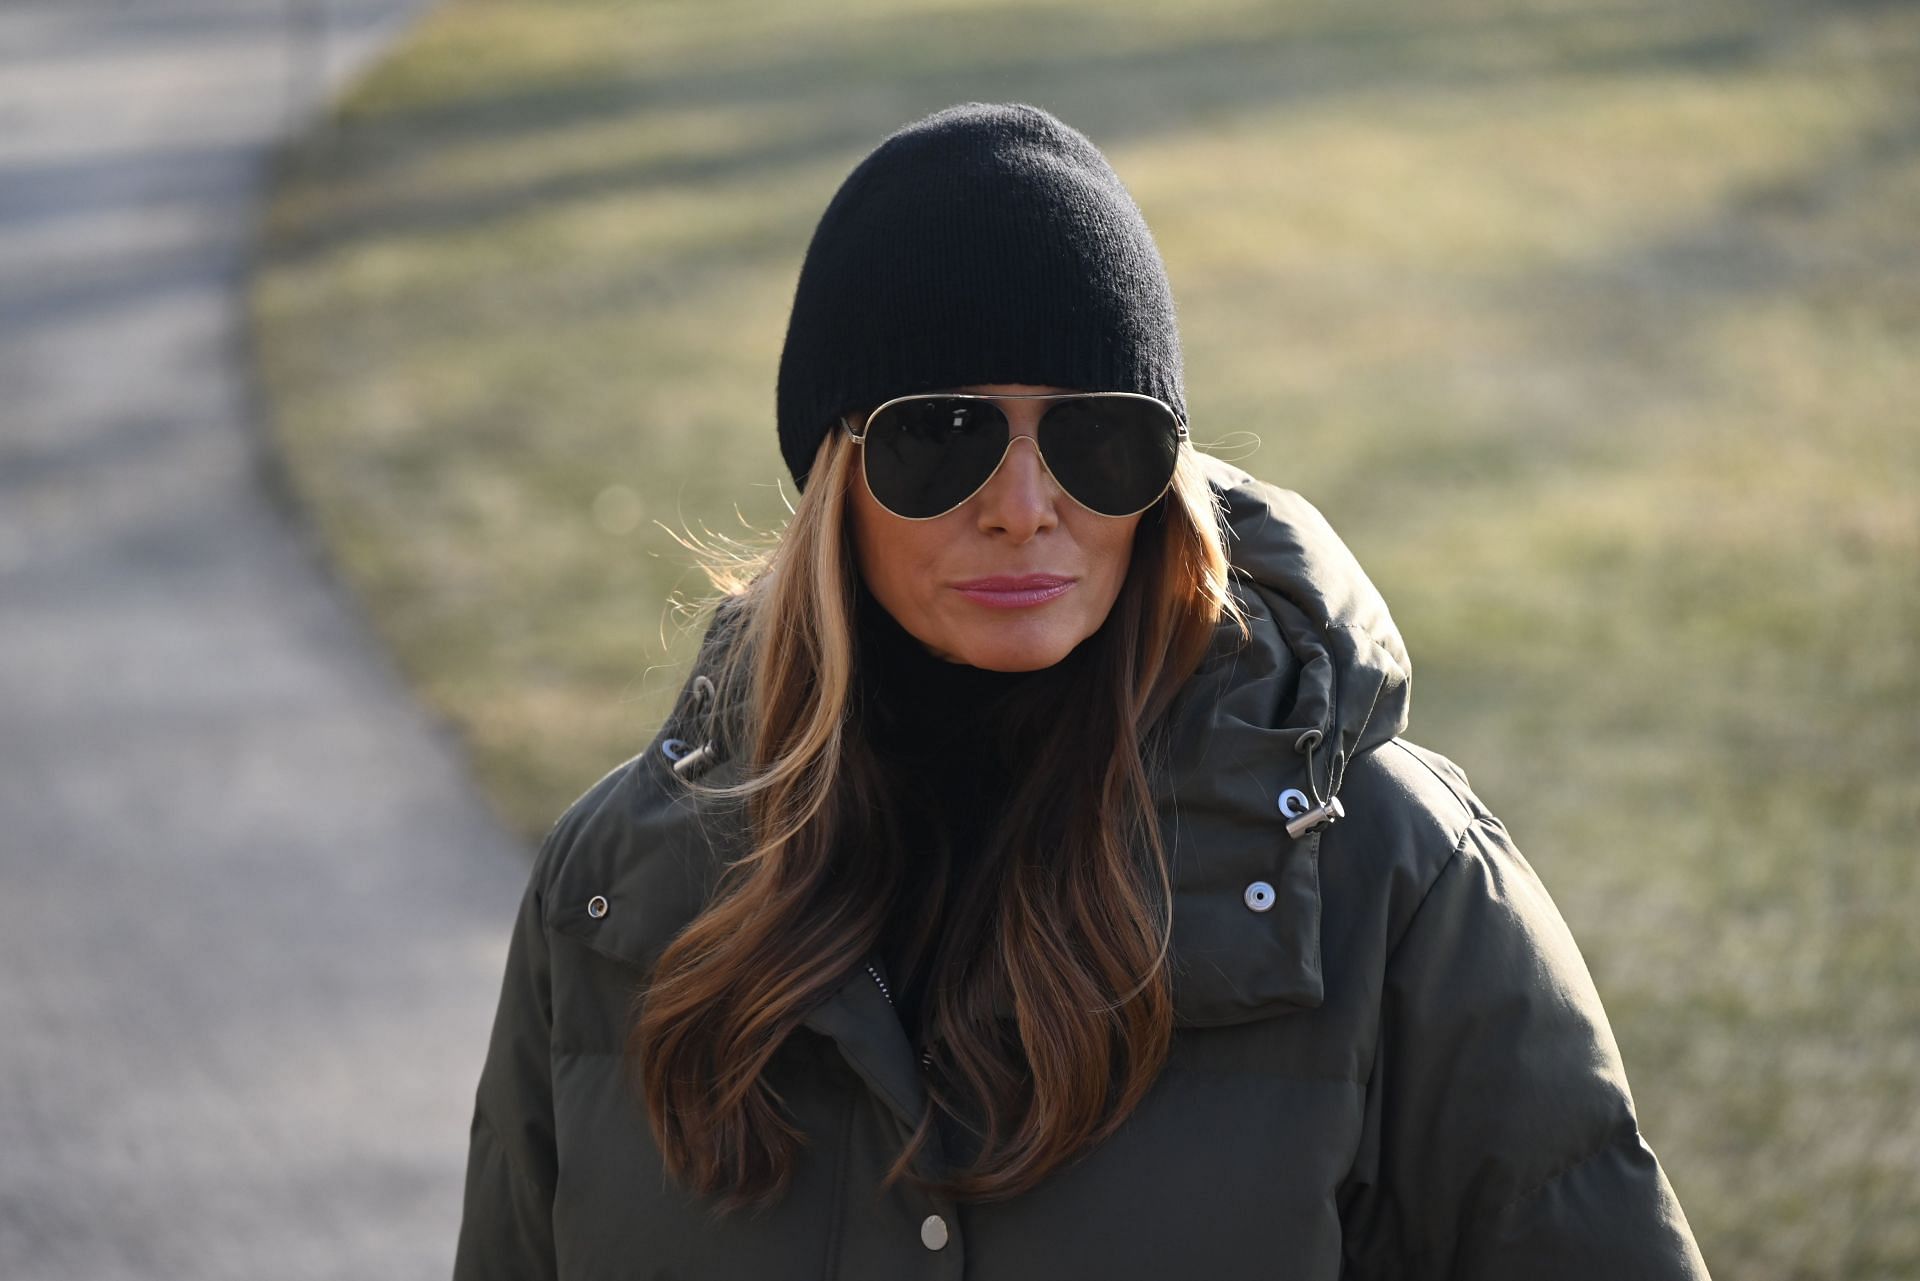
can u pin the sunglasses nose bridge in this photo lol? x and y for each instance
(1049, 483)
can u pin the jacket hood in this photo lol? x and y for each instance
(1263, 731)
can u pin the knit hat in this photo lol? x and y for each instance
(985, 243)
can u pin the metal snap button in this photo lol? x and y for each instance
(1259, 896)
(597, 906)
(1294, 803)
(933, 1232)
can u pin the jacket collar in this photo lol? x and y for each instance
(1261, 725)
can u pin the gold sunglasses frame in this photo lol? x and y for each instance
(859, 437)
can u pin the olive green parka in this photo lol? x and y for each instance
(1389, 1059)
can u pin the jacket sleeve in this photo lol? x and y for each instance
(1504, 1131)
(506, 1226)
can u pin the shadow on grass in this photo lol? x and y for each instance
(1119, 95)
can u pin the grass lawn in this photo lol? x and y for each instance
(1592, 328)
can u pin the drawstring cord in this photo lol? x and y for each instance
(1326, 809)
(685, 756)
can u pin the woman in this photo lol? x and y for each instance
(1031, 880)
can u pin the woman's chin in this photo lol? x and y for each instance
(1028, 650)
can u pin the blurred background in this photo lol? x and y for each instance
(1591, 327)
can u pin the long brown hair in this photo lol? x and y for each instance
(1066, 918)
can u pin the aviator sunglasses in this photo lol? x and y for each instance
(1113, 452)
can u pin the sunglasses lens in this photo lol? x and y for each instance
(924, 457)
(1114, 454)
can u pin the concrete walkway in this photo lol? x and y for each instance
(252, 915)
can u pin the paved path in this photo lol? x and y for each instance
(252, 915)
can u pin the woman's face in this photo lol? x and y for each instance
(955, 582)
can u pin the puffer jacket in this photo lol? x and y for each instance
(1389, 1059)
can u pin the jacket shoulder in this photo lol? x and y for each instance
(1409, 810)
(586, 816)
(1500, 1130)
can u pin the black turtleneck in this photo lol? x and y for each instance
(936, 727)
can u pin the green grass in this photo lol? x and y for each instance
(1593, 329)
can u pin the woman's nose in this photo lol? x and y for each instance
(1021, 498)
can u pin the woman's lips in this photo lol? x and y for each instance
(1014, 591)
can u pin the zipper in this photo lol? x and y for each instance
(880, 983)
(926, 1056)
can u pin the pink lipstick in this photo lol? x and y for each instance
(1014, 591)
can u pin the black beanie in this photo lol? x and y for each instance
(986, 243)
